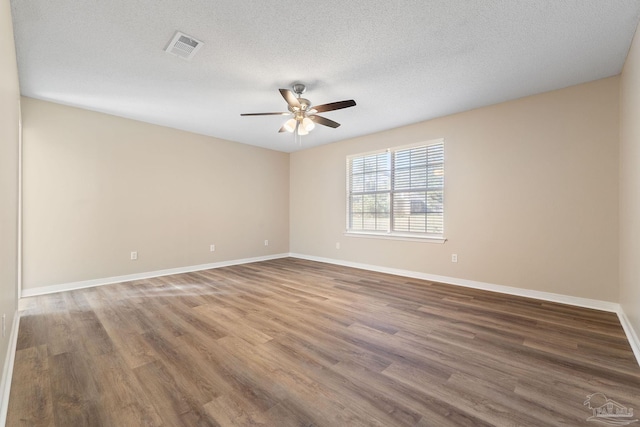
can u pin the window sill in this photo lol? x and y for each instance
(395, 236)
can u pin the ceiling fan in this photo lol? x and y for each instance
(305, 115)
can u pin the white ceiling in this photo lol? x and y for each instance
(402, 61)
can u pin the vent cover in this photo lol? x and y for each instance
(183, 46)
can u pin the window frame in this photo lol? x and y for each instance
(390, 233)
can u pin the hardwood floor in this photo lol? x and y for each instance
(298, 343)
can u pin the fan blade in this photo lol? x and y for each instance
(282, 129)
(324, 121)
(265, 114)
(334, 106)
(290, 98)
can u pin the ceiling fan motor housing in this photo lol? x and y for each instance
(305, 106)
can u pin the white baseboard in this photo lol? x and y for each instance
(7, 371)
(546, 296)
(632, 336)
(139, 276)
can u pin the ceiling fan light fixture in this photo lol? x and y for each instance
(290, 125)
(302, 131)
(308, 124)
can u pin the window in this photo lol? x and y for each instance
(397, 192)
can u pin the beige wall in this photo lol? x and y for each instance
(9, 143)
(97, 187)
(630, 186)
(531, 198)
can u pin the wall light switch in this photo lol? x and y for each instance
(266, 243)
(212, 248)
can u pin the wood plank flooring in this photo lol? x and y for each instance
(290, 342)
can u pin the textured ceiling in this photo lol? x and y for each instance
(402, 61)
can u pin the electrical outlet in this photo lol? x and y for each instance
(266, 243)
(454, 257)
(212, 248)
(134, 256)
(337, 245)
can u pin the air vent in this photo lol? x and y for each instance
(183, 46)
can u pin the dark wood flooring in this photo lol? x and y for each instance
(298, 343)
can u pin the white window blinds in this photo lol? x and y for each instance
(397, 192)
